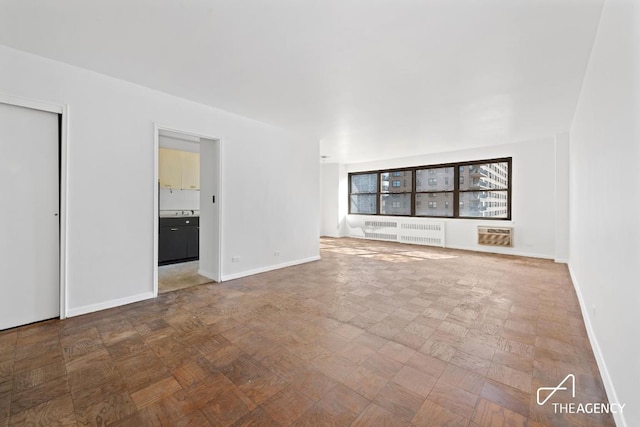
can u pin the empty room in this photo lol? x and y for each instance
(336, 213)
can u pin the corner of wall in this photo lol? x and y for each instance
(597, 351)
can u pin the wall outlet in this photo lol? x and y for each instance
(276, 253)
(235, 259)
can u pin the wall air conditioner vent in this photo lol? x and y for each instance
(495, 236)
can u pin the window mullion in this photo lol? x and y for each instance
(379, 196)
(413, 192)
(456, 191)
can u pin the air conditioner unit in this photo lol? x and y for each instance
(495, 236)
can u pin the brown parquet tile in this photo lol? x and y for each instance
(431, 413)
(398, 400)
(507, 397)
(374, 334)
(414, 380)
(375, 416)
(454, 399)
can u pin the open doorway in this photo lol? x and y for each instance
(187, 217)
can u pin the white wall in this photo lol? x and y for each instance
(179, 199)
(605, 202)
(276, 208)
(562, 197)
(270, 180)
(533, 212)
(329, 181)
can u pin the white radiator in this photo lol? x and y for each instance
(404, 230)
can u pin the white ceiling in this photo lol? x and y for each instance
(371, 79)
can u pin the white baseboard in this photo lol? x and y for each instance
(561, 261)
(269, 268)
(208, 275)
(597, 352)
(108, 304)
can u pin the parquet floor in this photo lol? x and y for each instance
(374, 334)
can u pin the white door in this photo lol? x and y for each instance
(29, 216)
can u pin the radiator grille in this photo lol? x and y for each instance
(380, 224)
(432, 241)
(422, 232)
(381, 236)
(428, 226)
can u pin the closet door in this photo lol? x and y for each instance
(29, 217)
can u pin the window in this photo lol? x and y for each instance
(395, 199)
(483, 192)
(477, 189)
(395, 204)
(363, 189)
(439, 192)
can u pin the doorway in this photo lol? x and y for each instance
(187, 232)
(31, 144)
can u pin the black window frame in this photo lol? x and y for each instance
(456, 188)
(376, 194)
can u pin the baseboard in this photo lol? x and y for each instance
(597, 352)
(208, 275)
(333, 236)
(85, 309)
(561, 261)
(269, 268)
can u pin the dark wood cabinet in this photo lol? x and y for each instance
(178, 239)
(193, 241)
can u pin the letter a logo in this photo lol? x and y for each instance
(560, 386)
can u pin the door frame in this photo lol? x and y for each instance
(63, 125)
(156, 213)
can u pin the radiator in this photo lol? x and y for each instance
(416, 231)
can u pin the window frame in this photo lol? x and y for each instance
(377, 194)
(456, 188)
